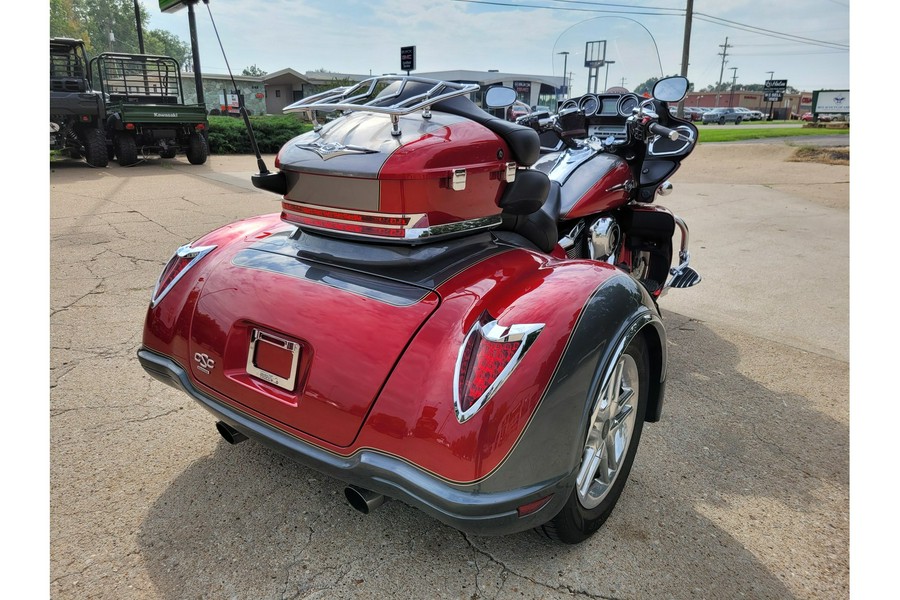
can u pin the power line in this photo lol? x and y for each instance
(769, 32)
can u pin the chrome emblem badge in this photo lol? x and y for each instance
(331, 149)
(204, 362)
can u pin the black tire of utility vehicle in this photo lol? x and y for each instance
(94, 140)
(198, 149)
(126, 149)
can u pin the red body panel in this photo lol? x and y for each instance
(354, 349)
(410, 177)
(607, 193)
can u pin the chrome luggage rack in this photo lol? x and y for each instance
(368, 95)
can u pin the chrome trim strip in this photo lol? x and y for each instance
(195, 254)
(686, 135)
(413, 234)
(493, 332)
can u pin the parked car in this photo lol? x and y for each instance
(519, 109)
(690, 113)
(723, 115)
(749, 115)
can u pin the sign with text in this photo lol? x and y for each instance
(408, 58)
(775, 85)
(831, 101)
(522, 87)
(774, 96)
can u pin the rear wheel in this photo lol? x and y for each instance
(613, 434)
(198, 150)
(737, 121)
(94, 140)
(126, 149)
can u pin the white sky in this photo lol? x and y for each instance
(363, 36)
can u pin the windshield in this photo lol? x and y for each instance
(615, 54)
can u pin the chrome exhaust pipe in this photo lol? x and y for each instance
(365, 501)
(231, 435)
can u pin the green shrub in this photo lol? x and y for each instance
(228, 135)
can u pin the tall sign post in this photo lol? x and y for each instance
(408, 59)
(774, 91)
(175, 5)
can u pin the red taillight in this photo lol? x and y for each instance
(199, 127)
(488, 355)
(482, 363)
(184, 258)
(129, 126)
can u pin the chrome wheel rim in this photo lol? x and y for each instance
(609, 435)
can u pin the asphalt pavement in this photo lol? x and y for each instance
(741, 491)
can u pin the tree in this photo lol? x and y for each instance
(109, 26)
(253, 71)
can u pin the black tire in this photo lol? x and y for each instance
(737, 121)
(94, 140)
(721, 120)
(198, 149)
(126, 149)
(576, 522)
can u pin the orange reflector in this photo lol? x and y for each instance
(533, 507)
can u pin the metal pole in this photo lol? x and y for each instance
(733, 81)
(140, 30)
(198, 79)
(722, 70)
(565, 54)
(606, 79)
(686, 48)
(771, 77)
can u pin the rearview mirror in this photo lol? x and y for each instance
(499, 97)
(670, 89)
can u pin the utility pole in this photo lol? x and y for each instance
(733, 81)
(686, 49)
(140, 29)
(771, 77)
(723, 54)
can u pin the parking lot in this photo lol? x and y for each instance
(740, 491)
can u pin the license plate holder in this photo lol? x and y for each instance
(273, 359)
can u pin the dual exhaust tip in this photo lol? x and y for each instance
(363, 500)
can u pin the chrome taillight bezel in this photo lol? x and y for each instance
(194, 255)
(494, 332)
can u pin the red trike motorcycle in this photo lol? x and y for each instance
(450, 309)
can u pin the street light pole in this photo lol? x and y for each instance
(565, 54)
(606, 79)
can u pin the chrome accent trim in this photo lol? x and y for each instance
(570, 238)
(186, 251)
(686, 134)
(665, 188)
(415, 234)
(411, 218)
(458, 180)
(328, 150)
(256, 337)
(493, 332)
(364, 94)
(510, 172)
(605, 238)
(684, 254)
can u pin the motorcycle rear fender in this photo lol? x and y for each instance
(531, 429)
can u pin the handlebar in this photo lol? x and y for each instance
(664, 131)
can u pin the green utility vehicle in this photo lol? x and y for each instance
(145, 108)
(77, 112)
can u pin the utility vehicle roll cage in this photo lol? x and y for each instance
(138, 78)
(386, 94)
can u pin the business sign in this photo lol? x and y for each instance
(775, 85)
(522, 88)
(831, 101)
(774, 96)
(408, 58)
(173, 5)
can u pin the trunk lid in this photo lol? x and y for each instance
(303, 342)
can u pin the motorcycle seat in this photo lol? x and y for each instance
(539, 227)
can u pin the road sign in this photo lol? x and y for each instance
(775, 85)
(408, 58)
